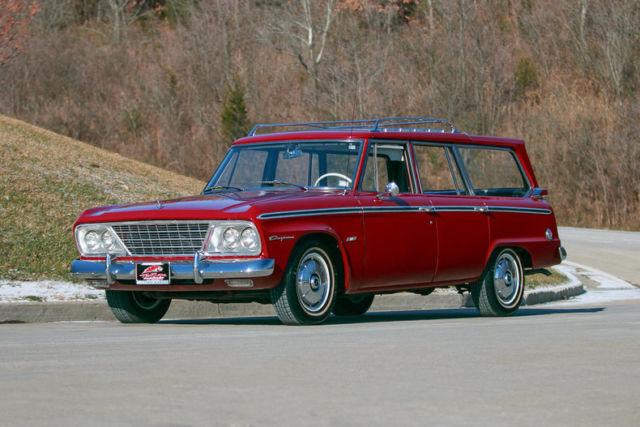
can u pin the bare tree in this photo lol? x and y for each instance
(302, 29)
(15, 17)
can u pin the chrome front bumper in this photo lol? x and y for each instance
(198, 270)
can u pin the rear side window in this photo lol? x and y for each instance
(438, 171)
(494, 172)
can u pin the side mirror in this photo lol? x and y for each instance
(539, 193)
(390, 190)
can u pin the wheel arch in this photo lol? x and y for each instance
(522, 252)
(333, 241)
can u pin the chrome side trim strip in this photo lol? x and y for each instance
(455, 208)
(376, 209)
(310, 212)
(539, 211)
(387, 209)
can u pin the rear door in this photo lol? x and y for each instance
(515, 219)
(461, 217)
(400, 235)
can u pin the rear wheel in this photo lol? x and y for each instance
(137, 307)
(354, 305)
(307, 292)
(501, 288)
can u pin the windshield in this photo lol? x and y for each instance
(324, 164)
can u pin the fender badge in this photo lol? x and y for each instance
(280, 238)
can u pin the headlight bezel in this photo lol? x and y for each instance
(216, 245)
(82, 230)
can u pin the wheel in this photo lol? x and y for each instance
(501, 288)
(307, 292)
(136, 307)
(355, 305)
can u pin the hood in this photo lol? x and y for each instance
(232, 205)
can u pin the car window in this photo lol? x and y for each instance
(386, 163)
(275, 166)
(438, 171)
(493, 172)
(289, 169)
(244, 168)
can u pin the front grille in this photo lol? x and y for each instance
(155, 239)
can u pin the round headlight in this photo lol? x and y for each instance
(230, 237)
(107, 240)
(249, 238)
(92, 240)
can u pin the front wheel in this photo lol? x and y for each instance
(501, 288)
(137, 307)
(307, 292)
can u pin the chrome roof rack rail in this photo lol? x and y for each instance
(383, 124)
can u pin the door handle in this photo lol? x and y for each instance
(429, 209)
(482, 209)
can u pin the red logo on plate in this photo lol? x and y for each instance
(153, 272)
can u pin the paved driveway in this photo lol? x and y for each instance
(616, 252)
(555, 366)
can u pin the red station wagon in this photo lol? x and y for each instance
(319, 217)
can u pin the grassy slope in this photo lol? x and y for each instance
(46, 180)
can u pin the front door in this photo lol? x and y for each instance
(400, 234)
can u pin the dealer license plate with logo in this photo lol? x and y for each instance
(153, 273)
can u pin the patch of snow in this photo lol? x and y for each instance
(609, 288)
(605, 280)
(47, 291)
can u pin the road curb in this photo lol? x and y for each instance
(99, 311)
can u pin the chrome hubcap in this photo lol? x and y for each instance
(507, 280)
(314, 281)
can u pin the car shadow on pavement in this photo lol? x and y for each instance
(384, 316)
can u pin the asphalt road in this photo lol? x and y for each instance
(616, 252)
(560, 366)
(555, 365)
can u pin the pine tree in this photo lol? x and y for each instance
(234, 120)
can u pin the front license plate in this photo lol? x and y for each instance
(153, 273)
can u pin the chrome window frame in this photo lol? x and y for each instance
(467, 178)
(449, 152)
(410, 163)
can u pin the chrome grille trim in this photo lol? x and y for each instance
(162, 238)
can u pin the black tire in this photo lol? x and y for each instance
(355, 305)
(295, 307)
(501, 289)
(136, 307)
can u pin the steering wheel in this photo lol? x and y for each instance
(327, 175)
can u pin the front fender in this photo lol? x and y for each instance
(281, 239)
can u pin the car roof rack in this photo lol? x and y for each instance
(383, 124)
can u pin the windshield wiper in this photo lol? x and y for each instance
(222, 187)
(278, 182)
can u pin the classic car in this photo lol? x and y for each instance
(316, 218)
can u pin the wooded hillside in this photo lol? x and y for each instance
(167, 81)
